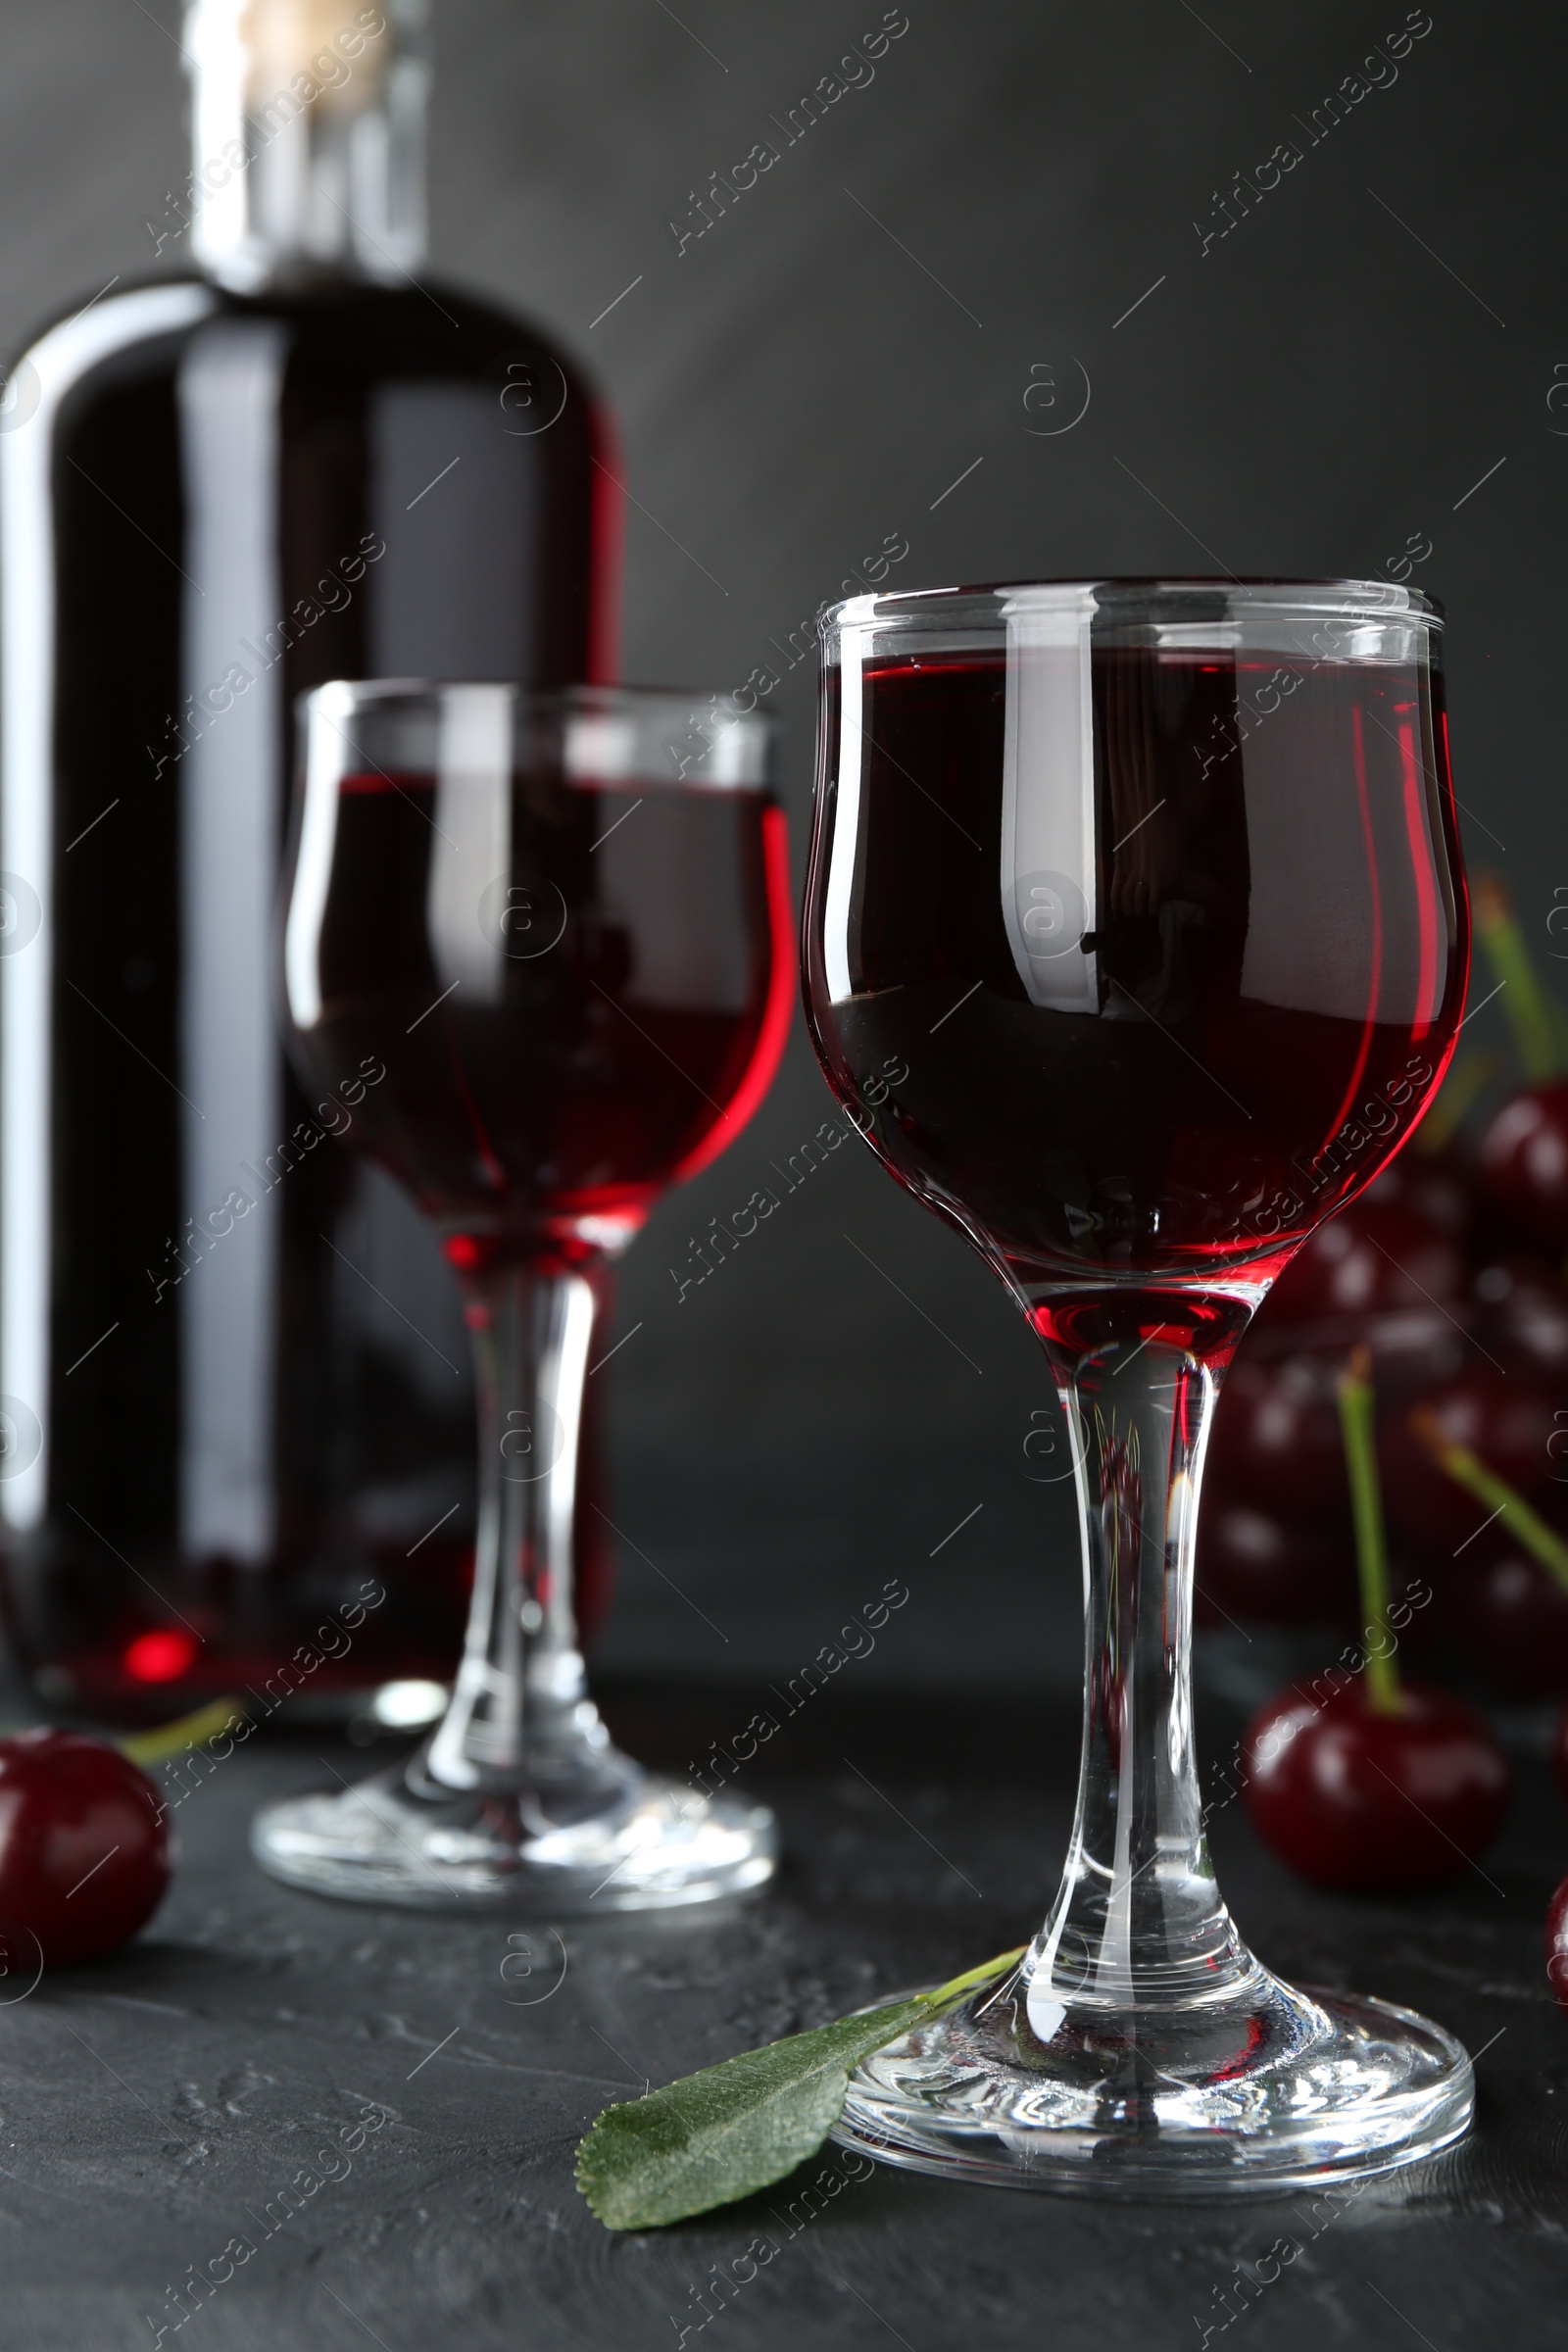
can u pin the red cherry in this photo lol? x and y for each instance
(1433, 1190)
(1524, 1311)
(1508, 1617)
(1352, 1798)
(1373, 1258)
(1557, 1945)
(1276, 1441)
(1270, 1570)
(84, 1854)
(1508, 1423)
(1524, 1161)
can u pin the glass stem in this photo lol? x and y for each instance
(1138, 1921)
(520, 1699)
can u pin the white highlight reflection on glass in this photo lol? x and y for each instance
(331, 710)
(472, 839)
(845, 823)
(26, 837)
(1048, 828)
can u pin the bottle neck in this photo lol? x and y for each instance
(307, 124)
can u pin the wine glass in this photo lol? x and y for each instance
(541, 943)
(1154, 890)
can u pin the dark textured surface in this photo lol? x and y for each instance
(155, 2105)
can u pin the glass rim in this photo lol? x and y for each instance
(658, 737)
(619, 701)
(1121, 596)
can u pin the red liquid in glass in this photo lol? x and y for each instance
(1274, 977)
(617, 1012)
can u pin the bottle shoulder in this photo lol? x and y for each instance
(427, 328)
(64, 346)
(347, 328)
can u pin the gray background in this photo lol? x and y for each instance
(855, 335)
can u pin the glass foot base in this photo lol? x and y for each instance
(621, 1841)
(1268, 2089)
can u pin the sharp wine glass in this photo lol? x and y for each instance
(1154, 890)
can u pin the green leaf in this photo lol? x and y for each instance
(719, 2135)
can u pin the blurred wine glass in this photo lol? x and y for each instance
(545, 938)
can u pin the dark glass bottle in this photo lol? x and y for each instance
(234, 1408)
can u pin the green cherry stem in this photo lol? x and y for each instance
(166, 1739)
(1384, 1694)
(1469, 1471)
(1528, 1007)
(956, 1986)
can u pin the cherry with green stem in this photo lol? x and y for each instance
(1503, 1419)
(1524, 1152)
(1524, 1524)
(1369, 1780)
(1465, 1467)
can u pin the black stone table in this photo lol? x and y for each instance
(209, 2089)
